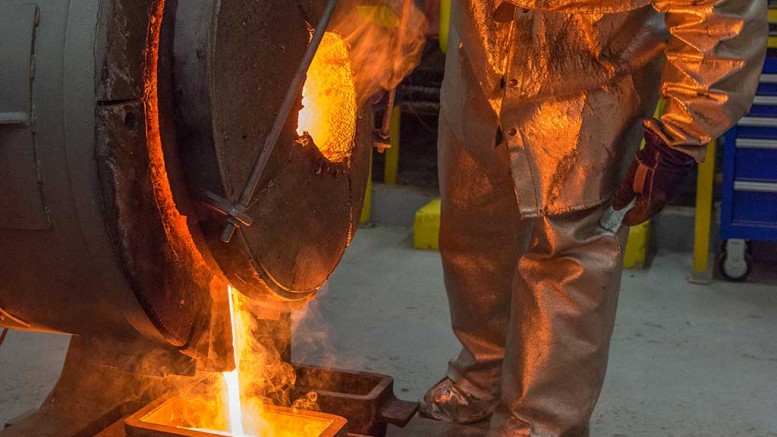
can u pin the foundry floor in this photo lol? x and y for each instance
(686, 360)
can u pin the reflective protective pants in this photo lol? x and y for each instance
(532, 300)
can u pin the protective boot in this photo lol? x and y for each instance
(448, 402)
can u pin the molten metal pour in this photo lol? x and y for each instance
(133, 265)
(327, 121)
(328, 116)
(232, 378)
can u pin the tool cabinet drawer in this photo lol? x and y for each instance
(768, 82)
(764, 106)
(756, 127)
(754, 203)
(755, 160)
(770, 65)
(767, 86)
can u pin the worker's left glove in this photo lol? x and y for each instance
(656, 177)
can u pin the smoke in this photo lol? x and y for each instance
(385, 39)
(312, 334)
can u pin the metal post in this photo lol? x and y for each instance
(391, 167)
(702, 271)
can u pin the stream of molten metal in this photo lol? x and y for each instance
(328, 116)
(232, 379)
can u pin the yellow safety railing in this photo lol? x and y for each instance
(445, 24)
(702, 271)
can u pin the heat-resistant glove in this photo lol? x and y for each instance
(656, 177)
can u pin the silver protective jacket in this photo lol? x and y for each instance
(570, 81)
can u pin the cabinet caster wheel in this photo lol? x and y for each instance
(734, 262)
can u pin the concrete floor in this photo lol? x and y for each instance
(29, 366)
(686, 360)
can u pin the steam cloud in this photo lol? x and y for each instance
(385, 39)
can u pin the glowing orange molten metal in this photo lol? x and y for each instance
(328, 114)
(232, 379)
(242, 410)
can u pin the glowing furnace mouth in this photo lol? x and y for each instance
(328, 112)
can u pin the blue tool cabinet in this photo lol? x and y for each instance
(749, 207)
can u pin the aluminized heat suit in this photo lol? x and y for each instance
(543, 103)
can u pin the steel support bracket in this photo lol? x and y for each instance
(236, 214)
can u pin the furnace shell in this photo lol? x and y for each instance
(116, 117)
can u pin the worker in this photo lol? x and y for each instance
(545, 103)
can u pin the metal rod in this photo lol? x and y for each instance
(280, 120)
(765, 100)
(11, 118)
(753, 143)
(385, 125)
(769, 78)
(758, 187)
(757, 122)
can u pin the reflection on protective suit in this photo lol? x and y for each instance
(542, 111)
